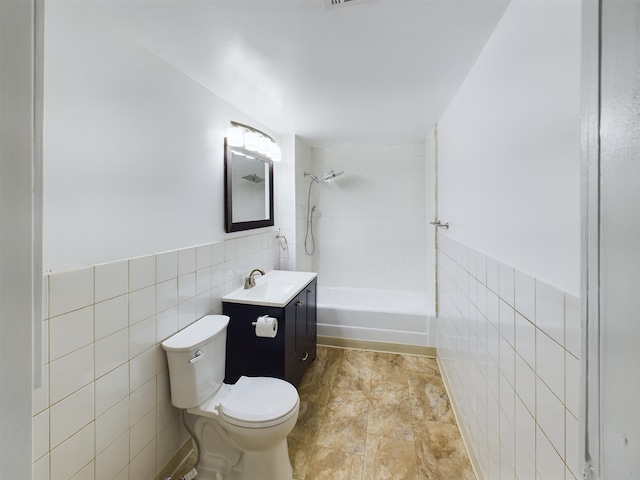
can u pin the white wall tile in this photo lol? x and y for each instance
(573, 325)
(112, 424)
(142, 401)
(113, 459)
(525, 295)
(166, 266)
(549, 465)
(111, 352)
(40, 397)
(40, 431)
(550, 415)
(506, 283)
(142, 368)
(111, 280)
(142, 336)
(550, 311)
(166, 295)
(186, 261)
(41, 469)
(187, 313)
(573, 384)
(111, 388)
(70, 373)
(493, 275)
(111, 316)
(203, 257)
(142, 272)
(507, 322)
(142, 304)
(550, 363)
(86, 473)
(217, 253)
(186, 287)
(144, 464)
(167, 442)
(70, 291)
(70, 332)
(141, 433)
(71, 414)
(73, 454)
(526, 340)
(166, 324)
(109, 372)
(203, 280)
(572, 453)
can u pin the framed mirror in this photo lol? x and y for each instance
(248, 189)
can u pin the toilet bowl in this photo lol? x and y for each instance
(241, 429)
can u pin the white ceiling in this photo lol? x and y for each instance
(377, 71)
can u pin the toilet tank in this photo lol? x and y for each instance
(196, 358)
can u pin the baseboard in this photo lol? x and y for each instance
(377, 346)
(466, 439)
(176, 461)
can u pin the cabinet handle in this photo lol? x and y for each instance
(300, 303)
(309, 291)
(306, 355)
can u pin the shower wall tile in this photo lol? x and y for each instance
(104, 408)
(508, 346)
(369, 227)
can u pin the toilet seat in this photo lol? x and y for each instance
(257, 402)
(252, 402)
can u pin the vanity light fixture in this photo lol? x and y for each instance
(252, 139)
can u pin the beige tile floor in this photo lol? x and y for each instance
(370, 416)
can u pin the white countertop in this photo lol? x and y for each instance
(275, 289)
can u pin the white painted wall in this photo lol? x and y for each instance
(134, 232)
(509, 145)
(133, 148)
(509, 266)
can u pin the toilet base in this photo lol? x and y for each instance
(272, 464)
(220, 459)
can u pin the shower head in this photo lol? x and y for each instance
(327, 177)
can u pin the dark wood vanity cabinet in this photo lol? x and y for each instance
(285, 356)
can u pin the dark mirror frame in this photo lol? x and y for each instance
(229, 224)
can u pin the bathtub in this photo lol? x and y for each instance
(402, 317)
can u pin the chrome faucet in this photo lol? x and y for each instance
(250, 282)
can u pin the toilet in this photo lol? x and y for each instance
(241, 429)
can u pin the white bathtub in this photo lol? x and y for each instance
(403, 317)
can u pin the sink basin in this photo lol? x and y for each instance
(275, 289)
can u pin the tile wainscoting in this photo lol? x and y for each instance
(509, 346)
(104, 409)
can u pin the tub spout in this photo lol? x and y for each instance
(250, 281)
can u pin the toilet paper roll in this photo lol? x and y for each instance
(266, 326)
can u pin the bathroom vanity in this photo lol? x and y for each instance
(288, 297)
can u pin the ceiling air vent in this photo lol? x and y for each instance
(333, 4)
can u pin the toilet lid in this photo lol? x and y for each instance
(259, 399)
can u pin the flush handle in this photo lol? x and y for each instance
(199, 354)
